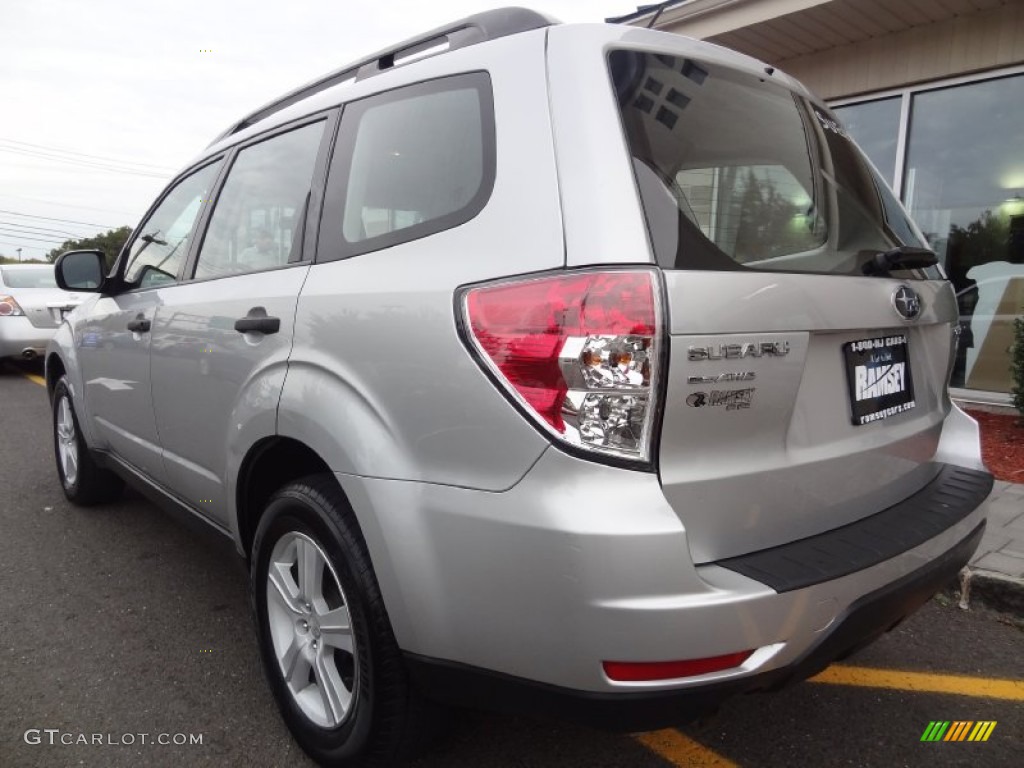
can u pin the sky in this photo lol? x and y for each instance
(102, 102)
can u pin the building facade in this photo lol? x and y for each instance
(933, 91)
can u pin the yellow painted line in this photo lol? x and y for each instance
(923, 682)
(30, 376)
(681, 750)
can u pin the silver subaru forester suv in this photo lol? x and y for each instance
(582, 370)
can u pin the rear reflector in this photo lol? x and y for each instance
(645, 671)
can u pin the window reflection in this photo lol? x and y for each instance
(875, 125)
(964, 186)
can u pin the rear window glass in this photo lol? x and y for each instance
(409, 163)
(41, 277)
(736, 171)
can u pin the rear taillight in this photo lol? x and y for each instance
(9, 307)
(579, 351)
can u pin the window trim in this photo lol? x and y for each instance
(120, 267)
(331, 242)
(311, 218)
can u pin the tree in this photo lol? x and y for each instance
(110, 243)
(1017, 366)
(8, 260)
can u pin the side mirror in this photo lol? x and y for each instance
(80, 271)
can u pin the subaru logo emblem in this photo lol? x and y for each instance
(906, 302)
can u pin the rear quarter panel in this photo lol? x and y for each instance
(379, 382)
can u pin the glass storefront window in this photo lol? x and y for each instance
(875, 126)
(964, 186)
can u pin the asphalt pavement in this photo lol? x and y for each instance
(118, 625)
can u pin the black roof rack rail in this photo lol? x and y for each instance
(471, 30)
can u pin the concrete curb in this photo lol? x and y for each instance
(993, 590)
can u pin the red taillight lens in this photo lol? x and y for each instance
(579, 350)
(9, 307)
(645, 671)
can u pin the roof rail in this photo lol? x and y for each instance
(471, 30)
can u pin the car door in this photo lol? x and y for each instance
(114, 338)
(221, 337)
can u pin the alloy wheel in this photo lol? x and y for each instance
(311, 630)
(67, 441)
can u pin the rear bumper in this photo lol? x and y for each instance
(581, 563)
(945, 501)
(863, 621)
(18, 334)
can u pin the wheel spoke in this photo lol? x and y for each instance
(65, 424)
(311, 569)
(336, 629)
(71, 470)
(295, 665)
(332, 691)
(285, 589)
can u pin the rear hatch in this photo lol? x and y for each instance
(35, 289)
(811, 333)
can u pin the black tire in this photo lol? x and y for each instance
(387, 721)
(91, 484)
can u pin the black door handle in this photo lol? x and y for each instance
(139, 325)
(257, 321)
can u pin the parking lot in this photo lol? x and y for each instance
(118, 621)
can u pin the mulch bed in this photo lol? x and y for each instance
(1002, 444)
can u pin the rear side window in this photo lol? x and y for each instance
(41, 277)
(409, 163)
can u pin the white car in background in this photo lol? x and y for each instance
(31, 307)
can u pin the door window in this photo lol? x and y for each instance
(158, 252)
(257, 221)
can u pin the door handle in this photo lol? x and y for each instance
(257, 321)
(139, 325)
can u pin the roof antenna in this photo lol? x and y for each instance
(661, 7)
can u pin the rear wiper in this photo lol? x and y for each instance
(903, 257)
